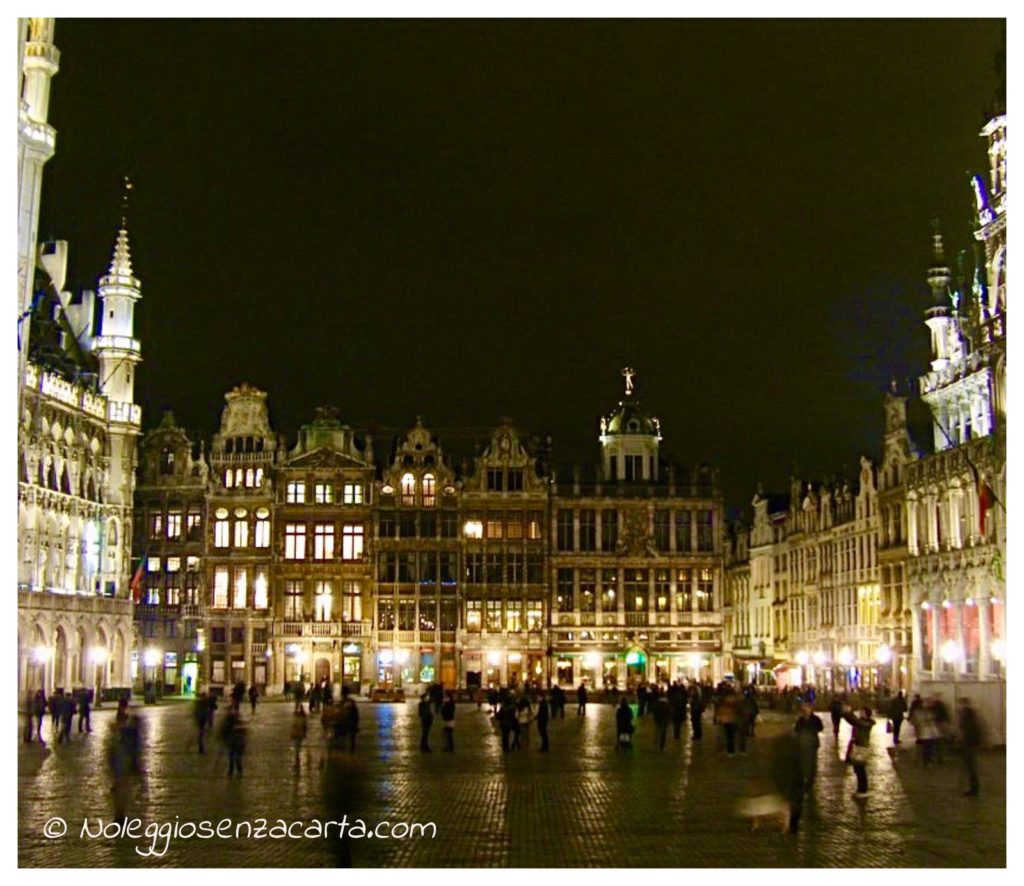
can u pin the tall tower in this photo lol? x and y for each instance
(118, 353)
(36, 143)
(937, 316)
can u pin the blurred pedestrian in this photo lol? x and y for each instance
(971, 738)
(624, 725)
(726, 714)
(787, 772)
(299, 730)
(506, 718)
(524, 714)
(254, 697)
(662, 713)
(350, 717)
(543, 715)
(677, 702)
(897, 711)
(807, 729)
(201, 717)
(67, 716)
(696, 714)
(84, 712)
(835, 710)
(39, 710)
(426, 715)
(448, 722)
(234, 738)
(581, 700)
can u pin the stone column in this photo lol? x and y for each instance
(248, 672)
(917, 625)
(959, 666)
(984, 660)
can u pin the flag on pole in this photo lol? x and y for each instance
(136, 585)
(986, 498)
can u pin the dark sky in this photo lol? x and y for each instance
(466, 220)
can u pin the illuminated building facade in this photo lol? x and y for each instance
(956, 514)
(635, 562)
(77, 428)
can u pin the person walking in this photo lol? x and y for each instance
(662, 713)
(835, 710)
(807, 728)
(448, 722)
(299, 730)
(750, 710)
(581, 700)
(971, 737)
(696, 714)
(641, 699)
(67, 716)
(727, 715)
(677, 703)
(558, 702)
(524, 714)
(858, 752)
(233, 736)
(299, 693)
(624, 725)
(254, 697)
(200, 716)
(543, 715)
(897, 711)
(426, 714)
(787, 772)
(84, 712)
(506, 718)
(39, 710)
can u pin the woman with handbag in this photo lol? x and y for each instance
(859, 749)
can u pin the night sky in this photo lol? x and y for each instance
(464, 220)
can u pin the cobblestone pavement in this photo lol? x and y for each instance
(582, 804)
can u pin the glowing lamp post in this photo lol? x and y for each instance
(98, 656)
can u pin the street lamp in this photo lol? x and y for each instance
(802, 658)
(98, 656)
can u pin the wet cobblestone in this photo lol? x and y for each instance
(583, 804)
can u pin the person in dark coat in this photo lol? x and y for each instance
(448, 722)
(677, 702)
(697, 714)
(787, 772)
(835, 710)
(84, 711)
(233, 736)
(624, 725)
(581, 700)
(254, 697)
(39, 710)
(543, 715)
(507, 722)
(557, 702)
(859, 747)
(349, 717)
(641, 699)
(200, 708)
(971, 738)
(750, 710)
(897, 712)
(662, 713)
(67, 716)
(426, 714)
(808, 727)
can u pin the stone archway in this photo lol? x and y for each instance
(37, 660)
(116, 664)
(99, 662)
(60, 659)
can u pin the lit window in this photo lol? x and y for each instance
(259, 478)
(156, 526)
(323, 493)
(474, 529)
(408, 489)
(173, 564)
(250, 478)
(241, 587)
(514, 617)
(229, 478)
(174, 525)
(193, 526)
(238, 477)
(220, 587)
(262, 539)
(241, 533)
(322, 601)
(153, 564)
(259, 588)
(429, 491)
(293, 599)
(295, 493)
(323, 541)
(533, 526)
(294, 541)
(535, 615)
(494, 525)
(474, 620)
(353, 493)
(352, 542)
(221, 534)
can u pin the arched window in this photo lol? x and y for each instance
(408, 489)
(429, 491)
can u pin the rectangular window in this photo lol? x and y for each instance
(564, 599)
(494, 615)
(474, 569)
(387, 567)
(173, 591)
(323, 601)
(156, 526)
(635, 590)
(262, 539)
(152, 564)
(494, 569)
(260, 596)
(514, 616)
(535, 615)
(407, 615)
(449, 568)
(534, 525)
(428, 524)
(514, 524)
(705, 530)
(323, 493)
(220, 587)
(428, 568)
(449, 615)
(407, 573)
(588, 530)
(194, 526)
(684, 532)
(294, 541)
(661, 527)
(429, 491)
(174, 525)
(495, 480)
(173, 564)
(564, 530)
(386, 615)
(351, 601)
(588, 591)
(221, 534)
(170, 629)
(494, 525)
(386, 525)
(352, 541)
(352, 494)
(515, 479)
(534, 569)
(240, 597)
(514, 565)
(241, 533)
(609, 590)
(428, 615)
(407, 524)
(662, 589)
(684, 591)
(474, 616)
(295, 493)
(449, 524)
(609, 530)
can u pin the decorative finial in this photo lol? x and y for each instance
(628, 375)
(126, 189)
(893, 386)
